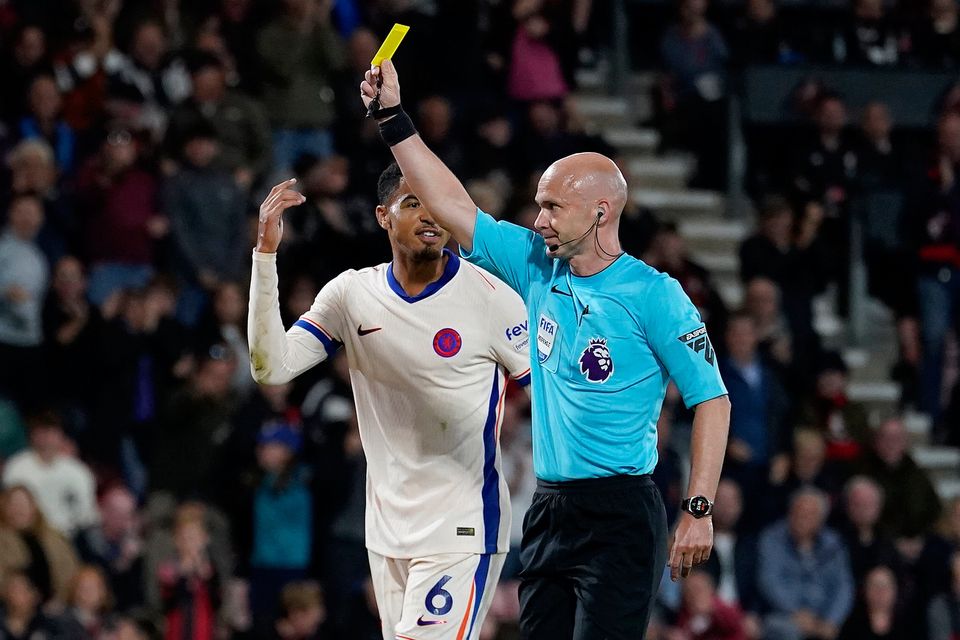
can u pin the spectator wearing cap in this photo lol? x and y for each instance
(911, 505)
(64, 486)
(207, 211)
(118, 201)
(843, 422)
(243, 131)
(273, 520)
(24, 278)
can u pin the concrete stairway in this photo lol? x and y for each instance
(714, 234)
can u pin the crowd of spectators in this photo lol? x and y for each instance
(151, 490)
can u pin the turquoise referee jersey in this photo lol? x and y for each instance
(603, 348)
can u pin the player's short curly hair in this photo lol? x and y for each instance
(388, 182)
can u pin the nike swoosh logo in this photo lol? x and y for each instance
(425, 623)
(362, 332)
(554, 289)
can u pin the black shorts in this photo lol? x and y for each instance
(593, 554)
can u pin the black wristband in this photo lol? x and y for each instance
(385, 112)
(397, 129)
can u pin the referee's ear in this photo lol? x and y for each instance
(383, 217)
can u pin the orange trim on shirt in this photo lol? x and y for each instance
(485, 279)
(318, 326)
(466, 615)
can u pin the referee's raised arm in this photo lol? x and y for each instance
(436, 186)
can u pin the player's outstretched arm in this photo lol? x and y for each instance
(436, 186)
(275, 356)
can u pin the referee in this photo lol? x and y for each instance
(608, 333)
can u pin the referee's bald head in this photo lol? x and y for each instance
(593, 177)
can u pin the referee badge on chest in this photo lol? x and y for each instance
(546, 335)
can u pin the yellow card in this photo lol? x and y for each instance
(389, 46)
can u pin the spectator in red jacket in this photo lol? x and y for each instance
(703, 615)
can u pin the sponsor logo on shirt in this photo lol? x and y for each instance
(596, 364)
(699, 341)
(517, 336)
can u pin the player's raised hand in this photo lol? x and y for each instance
(389, 90)
(270, 230)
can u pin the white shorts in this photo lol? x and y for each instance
(440, 597)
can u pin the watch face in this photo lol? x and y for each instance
(699, 506)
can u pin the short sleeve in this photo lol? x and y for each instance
(510, 333)
(506, 250)
(679, 339)
(324, 319)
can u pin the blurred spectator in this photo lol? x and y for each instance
(936, 40)
(829, 410)
(703, 615)
(115, 545)
(877, 615)
(517, 463)
(237, 22)
(758, 426)
(668, 253)
(227, 324)
(943, 615)
(189, 583)
(300, 53)
(733, 561)
(118, 203)
(806, 467)
(43, 120)
(208, 223)
(803, 572)
(63, 486)
(150, 73)
(72, 328)
(273, 519)
(911, 505)
(193, 425)
(303, 613)
(868, 37)
(243, 132)
(435, 122)
(23, 286)
(549, 136)
(760, 37)
(869, 545)
(88, 604)
(693, 91)
(493, 149)
(668, 475)
(938, 228)
(638, 224)
(880, 164)
(535, 71)
(33, 172)
(29, 545)
(21, 616)
(27, 59)
(762, 303)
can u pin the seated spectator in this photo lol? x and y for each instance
(693, 91)
(869, 546)
(936, 39)
(63, 485)
(668, 253)
(21, 617)
(240, 123)
(703, 615)
(806, 467)
(733, 560)
(24, 278)
(302, 613)
(273, 518)
(911, 505)
(208, 229)
(877, 615)
(758, 418)
(88, 605)
(803, 572)
(189, 583)
(943, 614)
(638, 224)
(760, 36)
(226, 324)
(119, 204)
(550, 134)
(880, 163)
(535, 69)
(869, 37)
(44, 121)
(149, 71)
(830, 411)
(761, 301)
(29, 545)
(27, 58)
(300, 54)
(115, 545)
(435, 122)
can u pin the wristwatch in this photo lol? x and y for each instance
(697, 506)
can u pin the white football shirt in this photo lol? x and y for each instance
(428, 375)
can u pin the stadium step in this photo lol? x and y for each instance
(948, 488)
(603, 110)
(664, 173)
(632, 140)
